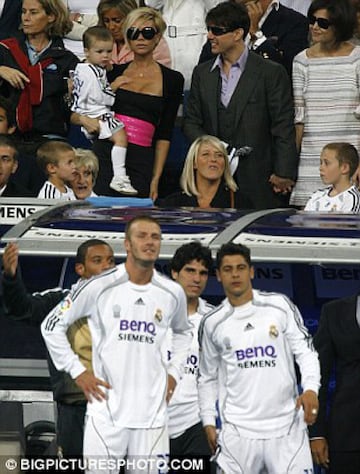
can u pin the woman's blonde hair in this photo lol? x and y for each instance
(188, 175)
(144, 14)
(62, 23)
(124, 7)
(87, 159)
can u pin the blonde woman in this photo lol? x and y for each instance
(206, 179)
(87, 170)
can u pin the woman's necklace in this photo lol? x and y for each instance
(143, 71)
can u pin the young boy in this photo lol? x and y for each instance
(57, 160)
(93, 97)
(338, 163)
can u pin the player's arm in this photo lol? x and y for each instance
(77, 304)
(208, 385)
(307, 359)
(181, 337)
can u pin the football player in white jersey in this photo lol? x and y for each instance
(250, 341)
(129, 310)
(190, 267)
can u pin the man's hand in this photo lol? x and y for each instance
(171, 384)
(255, 12)
(281, 185)
(90, 384)
(211, 436)
(309, 401)
(10, 259)
(320, 452)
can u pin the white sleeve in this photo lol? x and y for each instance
(85, 85)
(75, 305)
(208, 377)
(303, 349)
(181, 337)
(310, 204)
(158, 4)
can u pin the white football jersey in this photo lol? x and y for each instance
(183, 409)
(128, 323)
(347, 201)
(252, 348)
(49, 191)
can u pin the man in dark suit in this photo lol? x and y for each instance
(335, 437)
(8, 166)
(245, 101)
(276, 32)
(10, 18)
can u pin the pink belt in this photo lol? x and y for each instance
(139, 132)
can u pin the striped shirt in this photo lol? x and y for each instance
(50, 191)
(347, 201)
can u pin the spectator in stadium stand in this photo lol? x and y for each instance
(86, 172)
(112, 14)
(276, 32)
(206, 179)
(10, 18)
(253, 110)
(185, 32)
(8, 166)
(82, 15)
(323, 110)
(147, 98)
(27, 175)
(34, 67)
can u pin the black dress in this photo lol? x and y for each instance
(159, 111)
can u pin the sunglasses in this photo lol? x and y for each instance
(323, 23)
(148, 33)
(220, 30)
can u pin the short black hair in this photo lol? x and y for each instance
(8, 140)
(97, 33)
(9, 109)
(233, 249)
(342, 16)
(189, 252)
(83, 248)
(229, 15)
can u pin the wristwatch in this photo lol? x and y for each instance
(257, 35)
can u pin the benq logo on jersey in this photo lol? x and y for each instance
(256, 357)
(137, 331)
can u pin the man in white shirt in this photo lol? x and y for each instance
(190, 267)
(301, 6)
(250, 342)
(129, 310)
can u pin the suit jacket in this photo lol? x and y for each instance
(338, 343)
(263, 120)
(286, 34)
(14, 189)
(10, 18)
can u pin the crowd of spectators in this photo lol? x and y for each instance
(237, 93)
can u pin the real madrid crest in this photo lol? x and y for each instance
(273, 332)
(158, 315)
